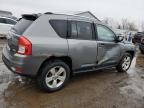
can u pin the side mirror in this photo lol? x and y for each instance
(119, 38)
(142, 40)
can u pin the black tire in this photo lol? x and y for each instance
(42, 77)
(142, 52)
(119, 66)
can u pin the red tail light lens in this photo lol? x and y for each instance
(24, 46)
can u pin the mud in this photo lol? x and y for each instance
(100, 89)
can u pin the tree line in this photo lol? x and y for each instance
(124, 24)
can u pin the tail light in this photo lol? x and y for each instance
(24, 46)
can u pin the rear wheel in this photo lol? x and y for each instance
(125, 63)
(54, 76)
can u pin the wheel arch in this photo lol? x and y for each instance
(132, 53)
(65, 59)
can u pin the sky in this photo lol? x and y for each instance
(118, 9)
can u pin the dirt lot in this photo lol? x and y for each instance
(100, 89)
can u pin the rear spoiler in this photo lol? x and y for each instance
(31, 16)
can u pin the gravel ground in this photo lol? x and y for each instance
(99, 89)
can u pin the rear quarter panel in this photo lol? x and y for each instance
(45, 41)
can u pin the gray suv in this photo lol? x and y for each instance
(51, 47)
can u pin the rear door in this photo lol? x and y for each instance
(82, 44)
(108, 49)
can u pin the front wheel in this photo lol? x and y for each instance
(54, 76)
(125, 63)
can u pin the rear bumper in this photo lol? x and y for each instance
(27, 66)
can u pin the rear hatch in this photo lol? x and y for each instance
(18, 30)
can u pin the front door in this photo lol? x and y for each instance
(108, 49)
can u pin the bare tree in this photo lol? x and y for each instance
(124, 24)
(119, 26)
(132, 26)
(127, 25)
(111, 22)
(106, 20)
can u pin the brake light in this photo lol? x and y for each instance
(24, 46)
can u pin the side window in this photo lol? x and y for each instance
(2, 20)
(80, 30)
(60, 27)
(8, 21)
(104, 33)
(84, 30)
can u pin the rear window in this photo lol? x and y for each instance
(9, 21)
(60, 27)
(2, 20)
(22, 25)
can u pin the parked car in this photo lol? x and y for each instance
(6, 24)
(137, 37)
(141, 46)
(52, 47)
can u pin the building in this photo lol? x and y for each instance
(87, 14)
(80, 13)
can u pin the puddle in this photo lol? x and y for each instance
(134, 87)
(7, 78)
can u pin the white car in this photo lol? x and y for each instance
(5, 25)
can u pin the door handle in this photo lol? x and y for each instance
(102, 44)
